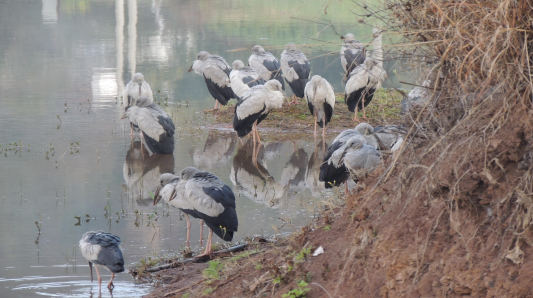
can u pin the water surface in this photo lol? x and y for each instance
(67, 154)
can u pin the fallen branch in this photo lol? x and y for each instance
(187, 287)
(193, 260)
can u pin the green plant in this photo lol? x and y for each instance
(298, 292)
(258, 267)
(186, 295)
(212, 272)
(303, 253)
(208, 291)
(327, 228)
(277, 280)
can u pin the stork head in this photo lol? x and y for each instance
(290, 47)
(138, 78)
(258, 49)
(188, 172)
(316, 79)
(163, 181)
(237, 64)
(364, 128)
(143, 101)
(203, 55)
(349, 37)
(273, 85)
(353, 143)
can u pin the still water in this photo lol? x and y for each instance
(67, 154)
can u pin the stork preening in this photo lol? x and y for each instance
(243, 78)
(102, 249)
(320, 98)
(359, 159)
(353, 54)
(332, 171)
(135, 89)
(266, 64)
(214, 203)
(215, 71)
(296, 70)
(361, 85)
(171, 189)
(254, 106)
(157, 128)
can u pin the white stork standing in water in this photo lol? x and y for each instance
(320, 98)
(296, 70)
(266, 64)
(214, 203)
(254, 106)
(353, 54)
(157, 128)
(102, 249)
(362, 84)
(171, 189)
(243, 78)
(135, 89)
(215, 71)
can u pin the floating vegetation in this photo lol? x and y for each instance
(15, 148)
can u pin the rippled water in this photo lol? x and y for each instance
(67, 153)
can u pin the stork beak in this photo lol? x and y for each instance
(124, 116)
(91, 269)
(190, 69)
(157, 198)
(173, 195)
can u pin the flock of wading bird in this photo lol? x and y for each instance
(259, 89)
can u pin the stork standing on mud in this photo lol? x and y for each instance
(361, 85)
(214, 203)
(296, 70)
(254, 106)
(215, 71)
(266, 64)
(320, 98)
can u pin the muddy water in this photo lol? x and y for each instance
(68, 164)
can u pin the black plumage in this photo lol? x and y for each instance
(244, 126)
(222, 94)
(226, 223)
(275, 68)
(303, 71)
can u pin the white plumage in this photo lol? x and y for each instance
(296, 69)
(254, 106)
(243, 78)
(352, 52)
(266, 64)
(320, 98)
(361, 85)
(135, 89)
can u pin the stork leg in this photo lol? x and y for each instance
(364, 114)
(142, 143)
(257, 133)
(131, 126)
(110, 285)
(216, 104)
(201, 232)
(324, 127)
(188, 231)
(294, 101)
(91, 269)
(99, 278)
(346, 189)
(207, 251)
(316, 120)
(355, 117)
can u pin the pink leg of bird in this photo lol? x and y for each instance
(324, 127)
(364, 113)
(188, 231)
(99, 278)
(257, 133)
(346, 189)
(216, 104)
(294, 101)
(201, 232)
(355, 117)
(207, 251)
(316, 120)
(110, 285)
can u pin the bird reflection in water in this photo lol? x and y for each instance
(293, 175)
(313, 170)
(217, 151)
(253, 180)
(141, 174)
